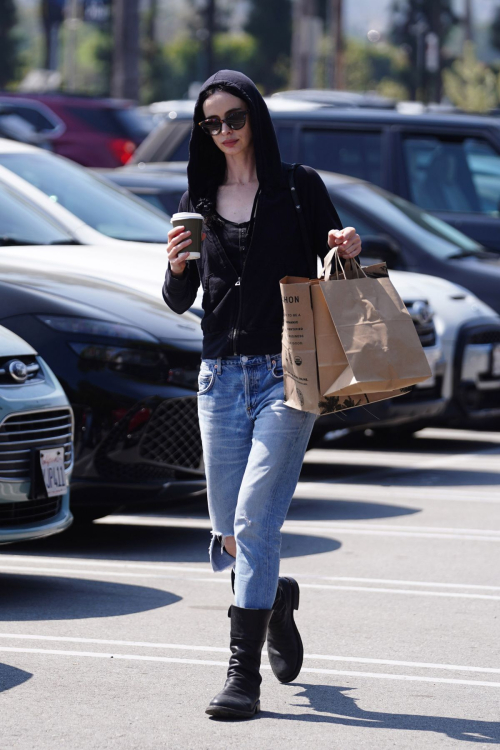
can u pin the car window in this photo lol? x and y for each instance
(166, 202)
(181, 152)
(33, 116)
(96, 202)
(459, 175)
(353, 153)
(351, 218)
(396, 217)
(22, 223)
(103, 119)
(285, 135)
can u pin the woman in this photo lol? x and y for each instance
(253, 443)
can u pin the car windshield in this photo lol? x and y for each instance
(96, 202)
(21, 223)
(436, 236)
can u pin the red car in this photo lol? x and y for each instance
(92, 132)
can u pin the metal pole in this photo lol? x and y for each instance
(337, 17)
(71, 24)
(297, 20)
(468, 34)
(209, 44)
(125, 76)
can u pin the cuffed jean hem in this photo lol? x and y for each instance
(220, 559)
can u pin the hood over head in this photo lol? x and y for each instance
(207, 163)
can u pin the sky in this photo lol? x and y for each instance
(361, 15)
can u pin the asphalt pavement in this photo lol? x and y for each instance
(116, 636)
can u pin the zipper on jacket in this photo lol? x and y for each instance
(236, 331)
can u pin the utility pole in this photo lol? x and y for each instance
(468, 35)
(125, 76)
(337, 40)
(306, 35)
(153, 12)
(209, 43)
(72, 24)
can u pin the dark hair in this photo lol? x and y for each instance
(206, 205)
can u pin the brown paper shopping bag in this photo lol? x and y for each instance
(317, 356)
(312, 349)
(377, 333)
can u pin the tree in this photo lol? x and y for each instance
(412, 21)
(8, 42)
(380, 67)
(270, 23)
(470, 84)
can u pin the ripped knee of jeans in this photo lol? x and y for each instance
(219, 557)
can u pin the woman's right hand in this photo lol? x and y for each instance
(178, 239)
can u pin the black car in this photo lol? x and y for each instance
(448, 164)
(392, 229)
(128, 365)
(408, 239)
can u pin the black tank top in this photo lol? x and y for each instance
(232, 237)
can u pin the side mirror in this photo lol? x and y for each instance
(380, 247)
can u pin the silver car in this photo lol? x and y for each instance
(36, 445)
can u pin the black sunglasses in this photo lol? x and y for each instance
(235, 120)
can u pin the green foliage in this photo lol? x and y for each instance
(8, 42)
(94, 54)
(380, 67)
(168, 71)
(470, 84)
(270, 23)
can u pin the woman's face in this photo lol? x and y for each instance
(229, 141)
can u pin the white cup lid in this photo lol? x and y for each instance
(186, 215)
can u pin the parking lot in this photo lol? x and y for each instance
(116, 636)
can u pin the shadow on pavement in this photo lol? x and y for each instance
(152, 544)
(47, 597)
(411, 476)
(11, 677)
(303, 509)
(327, 699)
(409, 444)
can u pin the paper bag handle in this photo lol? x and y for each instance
(326, 271)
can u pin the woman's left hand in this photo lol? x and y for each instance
(346, 240)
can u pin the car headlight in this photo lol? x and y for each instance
(143, 364)
(98, 328)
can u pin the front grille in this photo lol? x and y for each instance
(424, 394)
(485, 337)
(173, 434)
(426, 333)
(20, 433)
(34, 371)
(29, 512)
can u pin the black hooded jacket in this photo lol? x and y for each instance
(245, 316)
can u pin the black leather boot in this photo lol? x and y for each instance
(240, 697)
(284, 644)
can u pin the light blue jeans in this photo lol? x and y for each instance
(253, 447)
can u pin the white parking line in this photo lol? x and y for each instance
(220, 576)
(305, 527)
(164, 576)
(204, 662)
(334, 490)
(212, 649)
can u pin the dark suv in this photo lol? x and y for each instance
(449, 164)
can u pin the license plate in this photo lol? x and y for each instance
(495, 361)
(54, 476)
